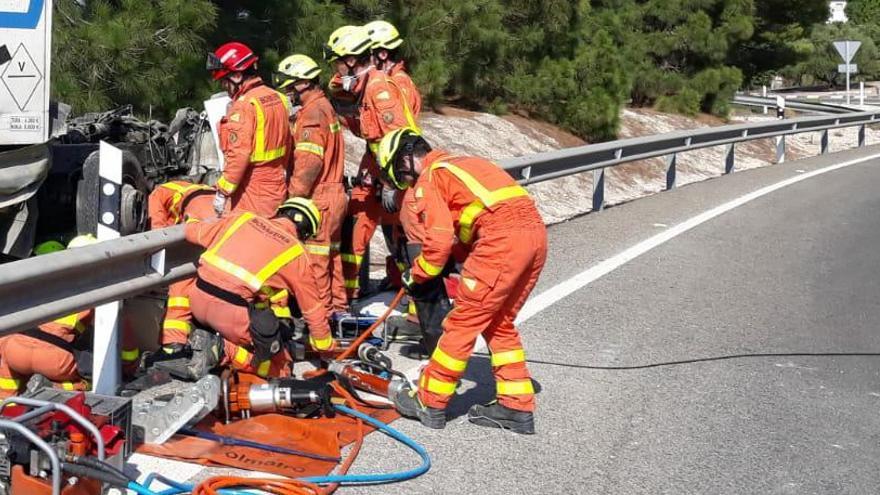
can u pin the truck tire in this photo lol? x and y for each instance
(133, 196)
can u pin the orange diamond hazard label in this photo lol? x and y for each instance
(21, 77)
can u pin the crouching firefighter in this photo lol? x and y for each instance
(473, 207)
(251, 264)
(57, 353)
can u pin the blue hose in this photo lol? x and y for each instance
(345, 479)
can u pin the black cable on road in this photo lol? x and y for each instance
(700, 360)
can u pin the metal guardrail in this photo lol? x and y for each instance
(794, 104)
(40, 289)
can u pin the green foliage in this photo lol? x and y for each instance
(821, 65)
(573, 63)
(129, 51)
(863, 12)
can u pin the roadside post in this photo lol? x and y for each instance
(847, 50)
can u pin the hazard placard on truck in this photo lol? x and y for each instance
(25, 58)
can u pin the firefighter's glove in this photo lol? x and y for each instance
(327, 344)
(389, 199)
(219, 203)
(265, 333)
(409, 284)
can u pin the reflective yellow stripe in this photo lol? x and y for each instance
(131, 355)
(178, 302)
(508, 357)
(242, 356)
(255, 281)
(282, 312)
(260, 153)
(263, 368)
(179, 192)
(522, 387)
(318, 249)
(351, 258)
(279, 261)
(485, 197)
(183, 326)
(67, 385)
(351, 283)
(431, 270)
(72, 322)
(278, 296)
(447, 361)
(9, 384)
(226, 186)
(440, 387)
(411, 308)
(311, 148)
(321, 344)
(374, 148)
(335, 127)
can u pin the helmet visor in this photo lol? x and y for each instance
(213, 63)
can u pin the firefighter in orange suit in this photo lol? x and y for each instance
(170, 204)
(254, 135)
(471, 206)
(383, 108)
(252, 262)
(386, 57)
(58, 350)
(319, 165)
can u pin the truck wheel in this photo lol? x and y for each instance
(132, 197)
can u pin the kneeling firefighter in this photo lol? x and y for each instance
(472, 207)
(251, 264)
(59, 351)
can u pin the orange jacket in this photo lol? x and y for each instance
(405, 83)
(384, 108)
(259, 259)
(71, 326)
(448, 205)
(174, 202)
(254, 133)
(319, 148)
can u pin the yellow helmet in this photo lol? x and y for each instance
(394, 143)
(304, 214)
(384, 35)
(296, 68)
(345, 41)
(48, 247)
(81, 241)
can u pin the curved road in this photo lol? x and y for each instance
(758, 334)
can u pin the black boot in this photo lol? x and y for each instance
(196, 359)
(495, 415)
(407, 403)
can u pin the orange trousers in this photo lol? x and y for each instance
(178, 317)
(367, 214)
(233, 324)
(23, 356)
(497, 278)
(324, 248)
(262, 191)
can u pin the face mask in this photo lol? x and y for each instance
(348, 83)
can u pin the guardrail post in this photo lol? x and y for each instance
(729, 157)
(764, 95)
(106, 369)
(862, 135)
(599, 189)
(823, 142)
(780, 149)
(671, 162)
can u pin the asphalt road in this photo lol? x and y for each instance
(752, 340)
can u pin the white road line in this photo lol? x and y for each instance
(558, 292)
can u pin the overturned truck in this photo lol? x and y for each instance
(50, 190)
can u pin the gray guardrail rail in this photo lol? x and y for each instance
(37, 290)
(794, 104)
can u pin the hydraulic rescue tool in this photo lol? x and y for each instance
(61, 445)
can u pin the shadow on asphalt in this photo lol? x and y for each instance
(479, 371)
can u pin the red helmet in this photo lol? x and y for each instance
(230, 57)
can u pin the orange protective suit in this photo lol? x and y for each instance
(472, 206)
(401, 77)
(384, 108)
(260, 261)
(170, 204)
(22, 356)
(256, 144)
(319, 164)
